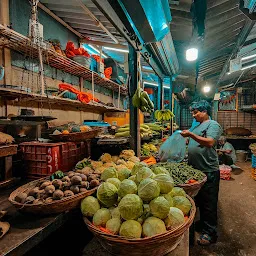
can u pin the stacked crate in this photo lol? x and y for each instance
(43, 159)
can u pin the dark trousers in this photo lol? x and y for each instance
(225, 159)
(207, 200)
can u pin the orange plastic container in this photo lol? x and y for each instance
(120, 118)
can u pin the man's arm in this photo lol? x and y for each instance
(206, 142)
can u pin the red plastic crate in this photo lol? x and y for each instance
(43, 159)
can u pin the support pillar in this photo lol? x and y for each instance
(160, 94)
(171, 105)
(134, 112)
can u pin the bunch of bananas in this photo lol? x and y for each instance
(142, 101)
(163, 115)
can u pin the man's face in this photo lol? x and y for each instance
(199, 116)
(221, 142)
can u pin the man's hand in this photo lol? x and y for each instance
(186, 133)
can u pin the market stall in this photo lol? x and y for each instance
(94, 96)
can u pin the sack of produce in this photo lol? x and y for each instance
(240, 131)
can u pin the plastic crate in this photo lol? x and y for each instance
(253, 161)
(71, 153)
(41, 159)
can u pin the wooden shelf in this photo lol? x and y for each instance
(54, 100)
(18, 42)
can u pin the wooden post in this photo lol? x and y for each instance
(93, 86)
(134, 112)
(160, 94)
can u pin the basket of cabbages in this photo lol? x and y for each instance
(138, 212)
(57, 193)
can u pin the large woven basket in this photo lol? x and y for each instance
(193, 188)
(76, 136)
(154, 246)
(57, 206)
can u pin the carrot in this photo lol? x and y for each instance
(150, 160)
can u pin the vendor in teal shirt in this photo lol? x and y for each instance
(202, 155)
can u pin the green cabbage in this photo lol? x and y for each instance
(110, 172)
(130, 207)
(127, 187)
(101, 217)
(153, 226)
(165, 183)
(89, 206)
(131, 229)
(113, 225)
(174, 219)
(159, 207)
(114, 181)
(107, 194)
(160, 170)
(176, 191)
(137, 166)
(148, 190)
(115, 213)
(169, 198)
(182, 203)
(123, 174)
(133, 178)
(143, 173)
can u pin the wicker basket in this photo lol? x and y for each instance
(76, 136)
(155, 246)
(193, 188)
(57, 206)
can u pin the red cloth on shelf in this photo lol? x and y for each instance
(84, 97)
(108, 72)
(71, 51)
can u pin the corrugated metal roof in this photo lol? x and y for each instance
(224, 21)
(85, 18)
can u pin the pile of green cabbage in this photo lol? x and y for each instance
(136, 204)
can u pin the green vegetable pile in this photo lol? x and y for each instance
(181, 172)
(140, 203)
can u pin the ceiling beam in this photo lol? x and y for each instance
(111, 10)
(100, 43)
(240, 41)
(45, 9)
(185, 7)
(88, 12)
(220, 40)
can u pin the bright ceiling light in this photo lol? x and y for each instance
(206, 89)
(116, 49)
(191, 54)
(96, 50)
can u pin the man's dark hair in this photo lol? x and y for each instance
(201, 106)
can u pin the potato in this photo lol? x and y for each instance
(66, 179)
(84, 177)
(85, 184)
(48, 200)
(74, 189)
(76, 180)
(45, 184)
(71, 174)
(68, 193)
(94, 183)
(49, 189)
(83, 190)
(57, 195)
(34, 192)
(57, 183)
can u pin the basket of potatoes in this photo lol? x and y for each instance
(47, 195)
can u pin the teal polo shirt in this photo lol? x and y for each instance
(200, 157)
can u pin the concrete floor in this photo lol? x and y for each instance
(237, 217)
